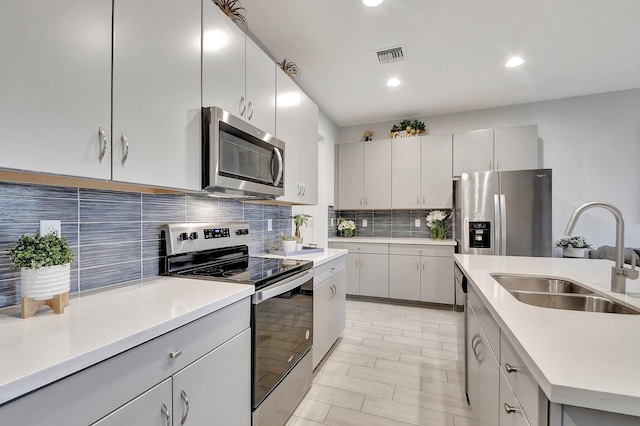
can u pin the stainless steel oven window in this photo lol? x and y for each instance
(283, 331)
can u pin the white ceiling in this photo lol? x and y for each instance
(456, 52)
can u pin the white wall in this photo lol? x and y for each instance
(592, 143)
(317, 230)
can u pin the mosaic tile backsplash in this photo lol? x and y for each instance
(387, 223)
(115, 236)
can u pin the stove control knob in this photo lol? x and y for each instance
(183, 236)
(193, 236)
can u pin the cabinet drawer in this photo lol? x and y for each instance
(532, 399)
(488, 324)
(329, 269)
(363, 248)
(421, 250)
(511, 413)
(95, 391)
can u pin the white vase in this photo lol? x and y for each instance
(289, 246)
(573, 252)
(46, 282)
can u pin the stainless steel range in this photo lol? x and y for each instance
(282, 308)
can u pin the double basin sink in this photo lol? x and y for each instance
(557, 293)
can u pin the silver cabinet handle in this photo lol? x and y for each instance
(103, 141)
(490, 165)
(175, 354)
(299, 188)
(509, 409)
(417, 266)
(360, 200)
(366, 200)
(357, 265)
(249, 110)
(333, 269)
(185, 400)
(418, 200)
(166, 414)
(498, 165)
(125, 148)
(510, 369)
(242, 107)
(474, 345)
(423, 200)
(304, 189)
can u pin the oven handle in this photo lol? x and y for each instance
(281, 287)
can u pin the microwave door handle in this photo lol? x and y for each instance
(276, 153)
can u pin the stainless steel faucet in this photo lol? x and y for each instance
(619, 273)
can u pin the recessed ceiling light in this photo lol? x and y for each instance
(514, 62)
(371, 3)
(393, 82)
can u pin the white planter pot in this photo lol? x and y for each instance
(44, 283)
(573, 252)
(289, 246)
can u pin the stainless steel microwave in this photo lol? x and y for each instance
(239, 159)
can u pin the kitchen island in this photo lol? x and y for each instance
(584, 362)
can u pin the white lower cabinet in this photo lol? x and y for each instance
(404, 273)
(152, 408)
(511, 413)
(329, 307)
(367, 268)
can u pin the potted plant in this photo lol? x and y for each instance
(573, 246)
(299, 220)
(435, 221)
(288, 243)
(44, 263)
(346, 227)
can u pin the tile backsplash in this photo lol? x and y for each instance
(388, 223)
(115, 236)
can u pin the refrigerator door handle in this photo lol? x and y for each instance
(497, 233)
(503, 225)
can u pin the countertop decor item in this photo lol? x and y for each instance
(45, 271)
(299, 220)
(407, 128)
(346, 227)
(368, 135)
(232, 9)
(573, 246)
(288, 242)
(435, 221)
(290, 69)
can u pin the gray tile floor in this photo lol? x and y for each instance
(393, 365)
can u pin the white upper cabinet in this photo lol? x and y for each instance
(436, 182)
(351, 176)
(405, 173)
(55, 87)
(297, 126)
(377, 175)
(260, 88)
(510, 148)
(516, 148)
(223, 61)
(156, 93)
(472, 151)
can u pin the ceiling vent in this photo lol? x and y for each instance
(391, 54)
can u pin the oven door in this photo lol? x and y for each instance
(282, 327)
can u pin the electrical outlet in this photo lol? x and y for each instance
(333, 221)
(417, 224)
(47, 226)
(364, 223)
(269, 224)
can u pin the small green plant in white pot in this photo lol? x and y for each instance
(573, 246)
(45, 265)
(288, 243)
(299, 220)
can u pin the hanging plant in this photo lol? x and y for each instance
(232, 9)
(291, 69)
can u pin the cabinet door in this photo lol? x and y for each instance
(353, 274)
(437, 284)
(374, 275)
(351, 176)
(404, 277)
(309, 150)
(223, 61)
(156, 93)
(322, 317)
(471, 361)
(405, 173)
(472, 151)
(216, 389)
(152, 408)
(56, 86)
(339, 304)
(288, 130)
(514, 417)
(377, 174)
(516, 148)
(488, 383)
(260, 88)
(437, 171)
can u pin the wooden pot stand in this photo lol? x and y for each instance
(57, 303)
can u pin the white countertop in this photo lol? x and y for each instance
(100, 324)
(389, 240)
(317, 258)
(578, 358)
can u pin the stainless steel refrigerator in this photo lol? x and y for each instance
(504, 213)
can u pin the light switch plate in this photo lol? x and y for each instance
(417, 224)
(364, 223)
(269, 224)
